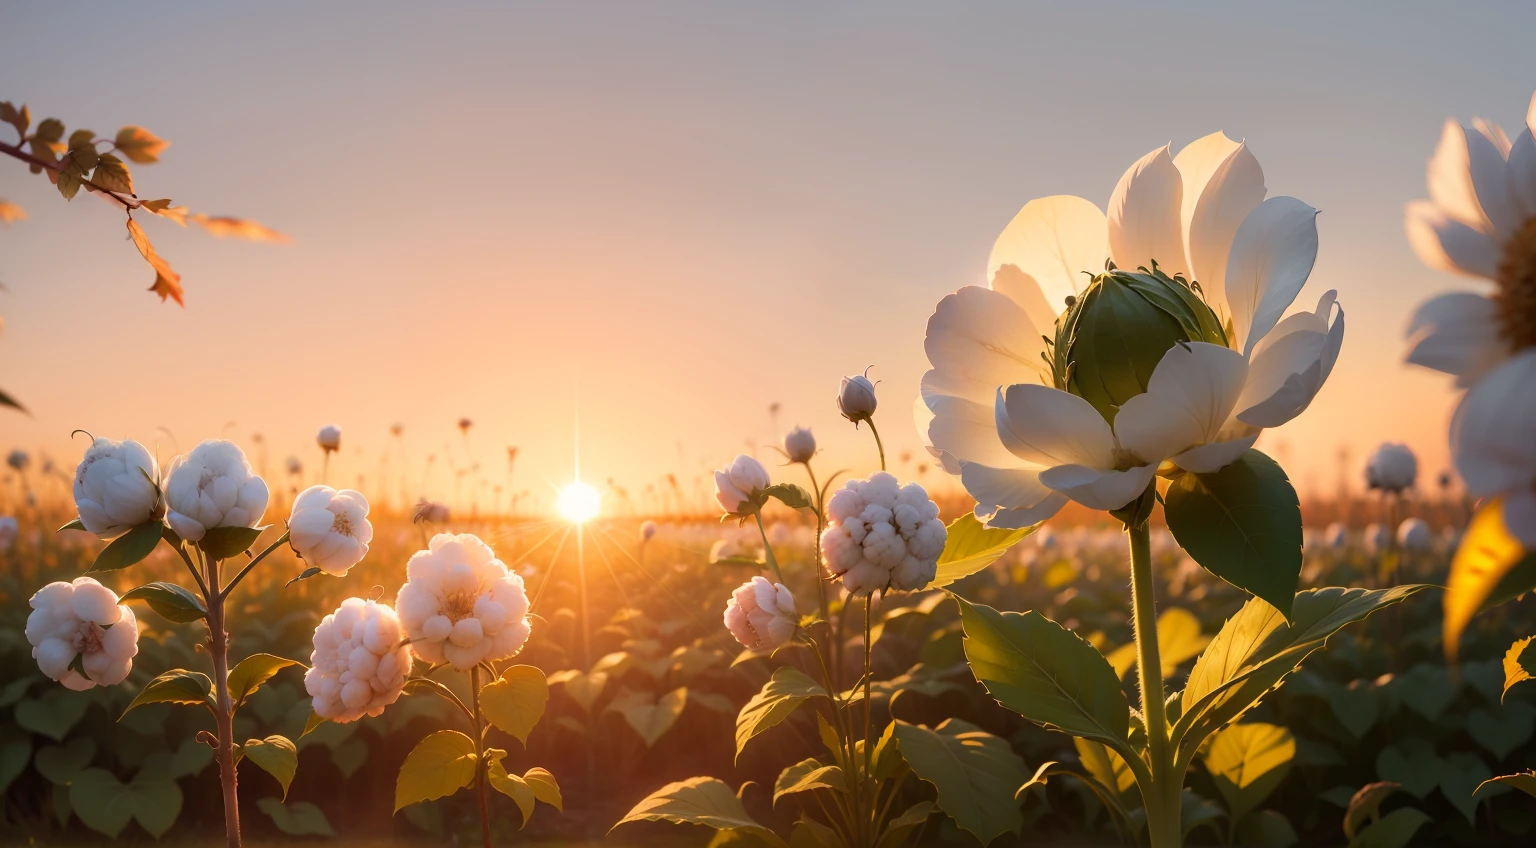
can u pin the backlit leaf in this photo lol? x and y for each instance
(970, 547)
(170, 601)
(128, 549)
(1247, 762)
(699, 800)
(223, 226)
(1525, 781)
(275, 755)
(1488, 553)
(776, 701)
(177, 686)
(248, 675)
(112, 175)
(807, 775)
(141, 146)
(974, 772)
(515, 701)
(1519, 663)
(167, 282)
(440, 765)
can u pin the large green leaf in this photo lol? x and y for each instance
(14, 755)
(1394, 830)
(970, 546)
(170, 601)
(1242, 524)
(440, 765)
(699, 800)
(275, 755)
(515, 701)
(1256, 649)
(106, 805)
(177, 686)
(226, 542)
(300, 818)
(1247, 762)
(248, 675)
(53, 714)
(1047, 674)
(974, 772)
(648, 715)
(780, 696)
(130, 548)
(806, 775)
(60, 763)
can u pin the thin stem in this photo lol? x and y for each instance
(821, 588)
(191, 567)
(773, 561)
(482, 788)
(1162, 803)
(869, 711)
(878, 444)
(16, 152)
(223, 712)
(255, 561)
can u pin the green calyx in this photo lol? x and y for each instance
(1112, 336)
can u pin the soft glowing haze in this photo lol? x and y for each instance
(689, 212)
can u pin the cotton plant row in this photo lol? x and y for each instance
(459, 610)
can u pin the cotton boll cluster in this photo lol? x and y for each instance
(116, 487)
(881, 534)
(213, 486)
(359, 663)
(330, 529)
(761, 614)
(80, 626)
(460, 605)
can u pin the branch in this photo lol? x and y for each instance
(17, 153)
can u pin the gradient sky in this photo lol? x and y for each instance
(690, 211)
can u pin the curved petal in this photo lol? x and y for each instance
(1212, 457)
(1188, 399)
(1272, 256)
(1048, 427)
(1222, 184)
(978, 340)
(1144, 219)
(1522, 172)
(1493, 435)
(1448, 245)
(963, 430)
(1009, 497)
(1520, 517)
(1469, 180)
(1457, 333)
(1096, 488)
(1049, 245)
(1290, 366)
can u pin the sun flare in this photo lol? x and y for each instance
(579, 503)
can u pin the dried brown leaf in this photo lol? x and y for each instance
(141, 146)
(111, 174)
(223, 226)
(167, 282)
(164, 209)
(18, 118)
(51, 133)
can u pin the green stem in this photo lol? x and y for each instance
(1162, 802)
(255, 561)
(482, 788)
(821, 588)
(223, 713)
(773, 561)
(869, 711)
(878, 444)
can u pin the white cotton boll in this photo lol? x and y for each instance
(330, 528)
(883, 535)
(1391, 468)
(799, 445)
(82, 619)
(329, 437)
(1414, 535)
(115, 487)
(761, 614)
(213, 486)
(460, 604)
(359, 665)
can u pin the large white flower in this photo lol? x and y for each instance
(1480, 221)
(116, 487)
(80, 627)
(881, 534)
(460, 605)
(213, 486)
(330, 529)
(359, 663)
(1201, 216)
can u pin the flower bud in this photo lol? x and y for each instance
(330, 529)
(213, 486)
(761, 615)
(329, 437)
(1414, 535)
(739, 486)
(647, 531)
(800, 445)
(80, 635)
(116, 488)
(1391, 468)
(856, 397)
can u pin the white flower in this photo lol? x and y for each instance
(1414, 535)
(329, 437)
(213, 486)
(359, 663)
(1336, 536)
(82, 620)
(799, 445)
(761, 614)
(647, 530)
(9, 530)
(1391, 468)
(1480, 221)
(856, 397)
(18, 459)
(882, 534)
(460, 605)
(739, 486)
(1202, 215)
(115, 487)
(330, 529)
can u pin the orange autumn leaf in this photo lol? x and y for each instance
(11, 213)
(141, 146)
(221, 226)
(164, 209)
(167, 282)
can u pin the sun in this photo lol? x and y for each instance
(578, 502)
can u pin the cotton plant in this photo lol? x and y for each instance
(207, 507)
(1109, 352)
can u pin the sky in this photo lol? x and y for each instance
(661, 218)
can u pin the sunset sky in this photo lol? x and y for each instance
(672, 215)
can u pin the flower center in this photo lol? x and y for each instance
(87, 638)
(459, 605)
(342, 525)
(1516, 297)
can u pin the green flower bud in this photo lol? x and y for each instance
(1115, 333)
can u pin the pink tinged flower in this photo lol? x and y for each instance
(330, 529)
(359, 663)
(761, 614)
(739, 485)
(856, 398)
(80, 627)
(882, 535)
(461, 605)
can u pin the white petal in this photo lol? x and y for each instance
(1469, 181)
(1287, 371)
(1520, 517)
(1493, 435)
(1098, 489)
(1009, 497)
(1222, 184)
(1449, 245)
(963, 430)
(1457, 333)
(1213, 457)
(1144, 215)
(1189, 397)
(978, 340)
(1048, 427)
(1271, 257)
(1049, 245)
(1522, 172)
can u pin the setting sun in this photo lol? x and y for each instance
(578, 502)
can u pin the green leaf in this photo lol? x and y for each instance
(1394, 830)
(256, 669)
(1256, 649)
(226, 542)
(1109, 768)
(791, 495)
(515, 701)
(780, 696)
(1047, 674)
(440, 765)
(177, 686)
(651, 719)
(974, 772)
(275, 755)
(545, 787)
(1482, 570)
(1267, 829)
(1502, 731)
(898, 829)
(1519, 663)
(1525, 781)
(699, 800)
(970, 547)
(300, 818)
(60, 763)
(1366, 804)
(1242, 524)
(807, 775)
(14, 755)
(53, 714)
(1461, 774)
(1411, 764)
(512, 786)
(172, 602)
(1247, 762)
(106, 805)
(130, 548)
(76, 524)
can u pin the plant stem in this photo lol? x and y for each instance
(821, 588)
(773, 561)
(223, 708)
(224, 592)
(880, 446)
(1162, 802)
(481, 788)
(869, 710)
